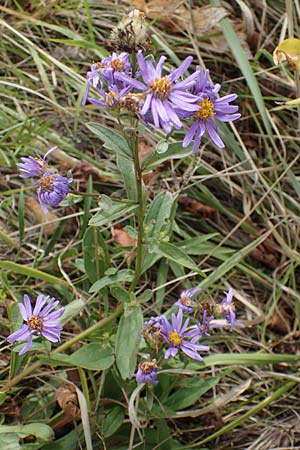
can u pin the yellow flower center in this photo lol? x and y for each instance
(186, 301)
(206, 110)
(117, 65)
(40, 161)
(100, 65)
(161, 87)
(46, 183)
(110, 98)
(175, 338)
(36, 323)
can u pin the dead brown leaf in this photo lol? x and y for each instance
(144, 149)
(190, 204)
(67, 399)
(280, 321)
(176, 17)
(36, 215)
(266, 254)
(122, 237)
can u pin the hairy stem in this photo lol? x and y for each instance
(140, 212)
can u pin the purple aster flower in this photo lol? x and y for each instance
(152, 332)
(105, 71)
(112, 98)
(53, 189)
(164, 96)
(93, 78)
(33, 167)
(228, 309)
(175, 334)
(204, 326)
(185, 300)
(210, 108)
(115, 64)
(147, 372)
(41, 321)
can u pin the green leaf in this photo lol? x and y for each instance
(121, 294)
(21, 205)
(10, 441)
(230, 262)
(116, 212)
(159, 213)
(248, 358)
(126, 167)
(172, 252)
(95, 254)
(122, 276)
(112, 421)
(242, 60)
(71, 310)
(30, 272)
(174, 151)
(39, 404)
(13, 433)
(128, 336)
(94, 356)
(199, 246)
(186, 394)
(111, 138)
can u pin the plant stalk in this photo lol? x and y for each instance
(140, 212)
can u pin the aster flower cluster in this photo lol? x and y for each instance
(161, 98)
(183, 334)
(42, 320)
(52, 187)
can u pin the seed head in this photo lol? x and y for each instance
(131, 33)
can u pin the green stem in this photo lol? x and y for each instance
(140, 212)
(14, 381)
(297, 80)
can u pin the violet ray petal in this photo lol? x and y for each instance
(55, 315)
(23, 311)
(190, 134)
(226, 109)
(155, 113)
(192, 354)
(40, 302)
(52, 337)
(27, 346)
(19, 335)
(185, 325)
(127, 79)
(27, 304)
(181, 69)
(161, 110)
(166, 127)
(172, 114)
(227, 118)
(158, 69)
(226, 99)
(211, 129)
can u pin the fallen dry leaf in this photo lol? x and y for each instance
(35, 213)
(144, 149)
(199, 21)
(190, 204)
(280, 321)
(122, 237)
(67, 399)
